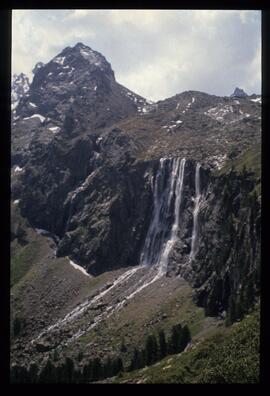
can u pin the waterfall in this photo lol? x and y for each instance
(194, 239)
(162, 233)
(159, 242)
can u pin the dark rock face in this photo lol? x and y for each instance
(107, 219)
(228, 261)
(75, 90)
(239, 93)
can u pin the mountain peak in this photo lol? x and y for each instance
(239, 93)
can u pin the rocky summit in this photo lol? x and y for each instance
(239, 93)
(128, 216)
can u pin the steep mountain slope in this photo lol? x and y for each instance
(154, 202)
(231, 356)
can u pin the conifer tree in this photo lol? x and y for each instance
(151, 350)
(69, 369)
(33, 373)
(175, 341)
(47, 374)
(134, 364)
(162, 344)
(123, 347)
(185, 338)
(108, 368)
(117, 366)
(97, 369)
(141, 358)
(87, 373)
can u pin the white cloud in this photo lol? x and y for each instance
(156, 53)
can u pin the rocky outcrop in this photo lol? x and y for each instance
(227, 266)
(239, 93)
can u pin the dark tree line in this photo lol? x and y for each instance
(94, 370)
(156, 349)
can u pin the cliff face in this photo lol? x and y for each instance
(227, 266)
(223, 263)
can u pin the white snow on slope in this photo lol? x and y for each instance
(17, 169)
(14, 105)
(42, 119)
(32, 104)
(78, 267)
(257, 100)
(90, 56)
(219, 112)
(54, 129)
(59, 59)
(41, 231)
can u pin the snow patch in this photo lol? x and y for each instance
(59, 59)
(42, 119)
(78, 267)
(218, 161)
(14, 105)
(219, 112)
(90, 56)
(41, 231)
(32, 104)
(173, 124)
(17, 169)
(257, 100)
(54, 129)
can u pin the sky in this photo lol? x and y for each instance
(155, 53)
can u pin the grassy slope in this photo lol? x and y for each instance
(46, 288)
(251, 159)
(232, 356)
(153, 309)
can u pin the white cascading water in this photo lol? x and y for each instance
(194, 240)
(161, 237)
(159, 242)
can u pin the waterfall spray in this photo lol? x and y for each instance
(194, 240)
(162, 233)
